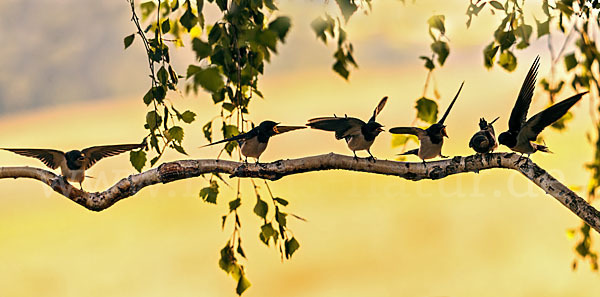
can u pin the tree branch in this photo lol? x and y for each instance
(184, 169)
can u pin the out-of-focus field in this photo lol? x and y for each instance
(488, 234)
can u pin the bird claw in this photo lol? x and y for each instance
(371, 158)
(444, 156)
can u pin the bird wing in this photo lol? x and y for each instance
(343, 127)
(242, 136)
(441, 121)
(518, 116)
(408, 130)
(283, 129)
(378, 108)
(534, 126)
(95, 153)
(51, 158)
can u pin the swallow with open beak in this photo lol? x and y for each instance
(358, 134)
(74, 163)
(254, 142)
(484, 140)
(430, 139)
(521, 132)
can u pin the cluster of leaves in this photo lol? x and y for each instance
(163, 118)
(330, 28)
(427, 109)
(574, 20)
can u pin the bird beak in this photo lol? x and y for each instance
(275, 130)
(379, 129)
(494, 120)
(81, 158)
(444, 132)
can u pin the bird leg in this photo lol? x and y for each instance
(371, 158)
(80, 186)
(355, 157)
(519, 160)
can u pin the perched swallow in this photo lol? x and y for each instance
(522, 133)
(358, 134)
(254, 142)
(484, 141)
(74, 163)
(430, 139)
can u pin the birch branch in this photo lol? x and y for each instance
(178, 170)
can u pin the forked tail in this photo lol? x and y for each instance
(411, 152)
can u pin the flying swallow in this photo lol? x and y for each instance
(430, 139)
(74, 163)
(358, 134)
(484, 140)
(254, 142)
(521, 132)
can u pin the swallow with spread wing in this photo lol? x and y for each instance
(254, 142)
(484, 140)
(74, 163)
(358, 134)
(521, 132)
(430, 139)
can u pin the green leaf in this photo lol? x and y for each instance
(261, 208)
(505, 38)
(201, 48)
(230, 131)
(149, 97)
(162, 75)
(543, 28)
(188, 20)
(128, 40)
(153, 120)
(442, 49)
(281, 201)
(497, 5)
(489, 54)
(270, 4)
(570, 61)
(291, 246)
(347, 7)
(508, 61)
(209, 78)
(147, 8)
(137, 159)
(207, 129)
(234, 204)
(280, 217)
(402, 139)
(209, 194)
(199, 6)
(188, 117)
(222, 4)
(281, 26)
(243, 285)
(215, 34)
(427, 110)
(179, 149)
(340, 68)
(165, 27)
(176, 133)
(437, 22)
(428, 62)
(267, 232)
(319, 25)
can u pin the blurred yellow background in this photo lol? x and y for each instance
(488, 234)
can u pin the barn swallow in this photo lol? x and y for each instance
(521, 132)
(254, 142)
(430, 139)
(358, 134)
(74, 163)
(484, 140)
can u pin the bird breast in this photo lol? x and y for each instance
(357, 142)
(253, 148)
(428, 149)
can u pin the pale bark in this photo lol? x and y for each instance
(184, 169)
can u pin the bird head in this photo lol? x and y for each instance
(268, 127)
(438, 129)
(483, 124)
(76, 158)
(374, 128)
(508, 139)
